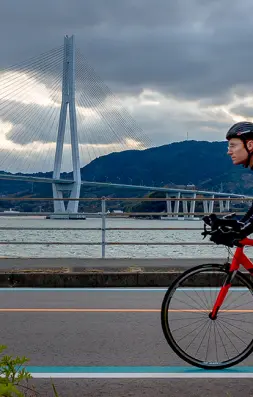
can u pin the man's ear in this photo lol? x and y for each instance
(250, 145)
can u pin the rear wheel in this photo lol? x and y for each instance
(188, 329)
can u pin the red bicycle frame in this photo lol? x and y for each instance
(239, 258)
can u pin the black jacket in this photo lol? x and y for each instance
(247, 221)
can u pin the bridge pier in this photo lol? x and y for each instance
(193, 205)
(59, 205)
(176, 205)
(227, 205)
(224, 205)
(185, 207)
(175, 213)
(208, 205)
(169, 206)
(172, 210)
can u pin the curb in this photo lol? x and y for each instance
(79, 280)
(98, 279)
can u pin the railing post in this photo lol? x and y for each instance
(103, 215)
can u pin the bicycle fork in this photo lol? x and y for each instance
(227, 284)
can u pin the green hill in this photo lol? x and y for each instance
(204, 164)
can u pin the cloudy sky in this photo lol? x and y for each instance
(177, 68)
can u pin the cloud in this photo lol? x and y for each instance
(244, 111)
(194, 49)
(177, 67)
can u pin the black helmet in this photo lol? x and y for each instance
(242, 130)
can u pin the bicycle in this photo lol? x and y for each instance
(213, 303)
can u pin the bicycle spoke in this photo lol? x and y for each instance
(241, 329)
(243, 304)
(208, 340)
(205, 300)
(205, 306)
(222, 340)
(235, 299)
(217, 356)
(183, 337)
(211, 298)
(208, 325)
(194, 337)
(187, 304)
(187, 325)
(184, 319)
(233, 334)
(193, 300)
(234, 319)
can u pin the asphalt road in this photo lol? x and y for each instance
(63, 332)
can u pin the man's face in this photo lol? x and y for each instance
(237, 151)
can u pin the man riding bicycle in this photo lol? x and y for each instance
(207, 311)
(240, 148)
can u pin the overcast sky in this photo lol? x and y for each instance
(178, 67)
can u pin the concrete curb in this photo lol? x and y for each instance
(98, 279)
(79, 280)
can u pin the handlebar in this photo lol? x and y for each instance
(214, 222)
(227, 231)
(224, 225)
(229, 216)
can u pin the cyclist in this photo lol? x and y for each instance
(240, 148)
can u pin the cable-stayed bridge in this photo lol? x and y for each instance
(57, 114)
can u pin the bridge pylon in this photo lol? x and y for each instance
(68, 103)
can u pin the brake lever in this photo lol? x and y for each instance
(205, 232)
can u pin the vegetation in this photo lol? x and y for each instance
(15, 379)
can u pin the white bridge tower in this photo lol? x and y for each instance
(68, 102)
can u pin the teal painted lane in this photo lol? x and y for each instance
(133, 369)
(110, 289)
(137, 372)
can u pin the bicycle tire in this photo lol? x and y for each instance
(167, 323)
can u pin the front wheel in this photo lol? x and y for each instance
(192, 334)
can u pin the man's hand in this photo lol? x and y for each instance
(226, 236)
(226, 231)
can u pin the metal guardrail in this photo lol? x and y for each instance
(103, 215)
